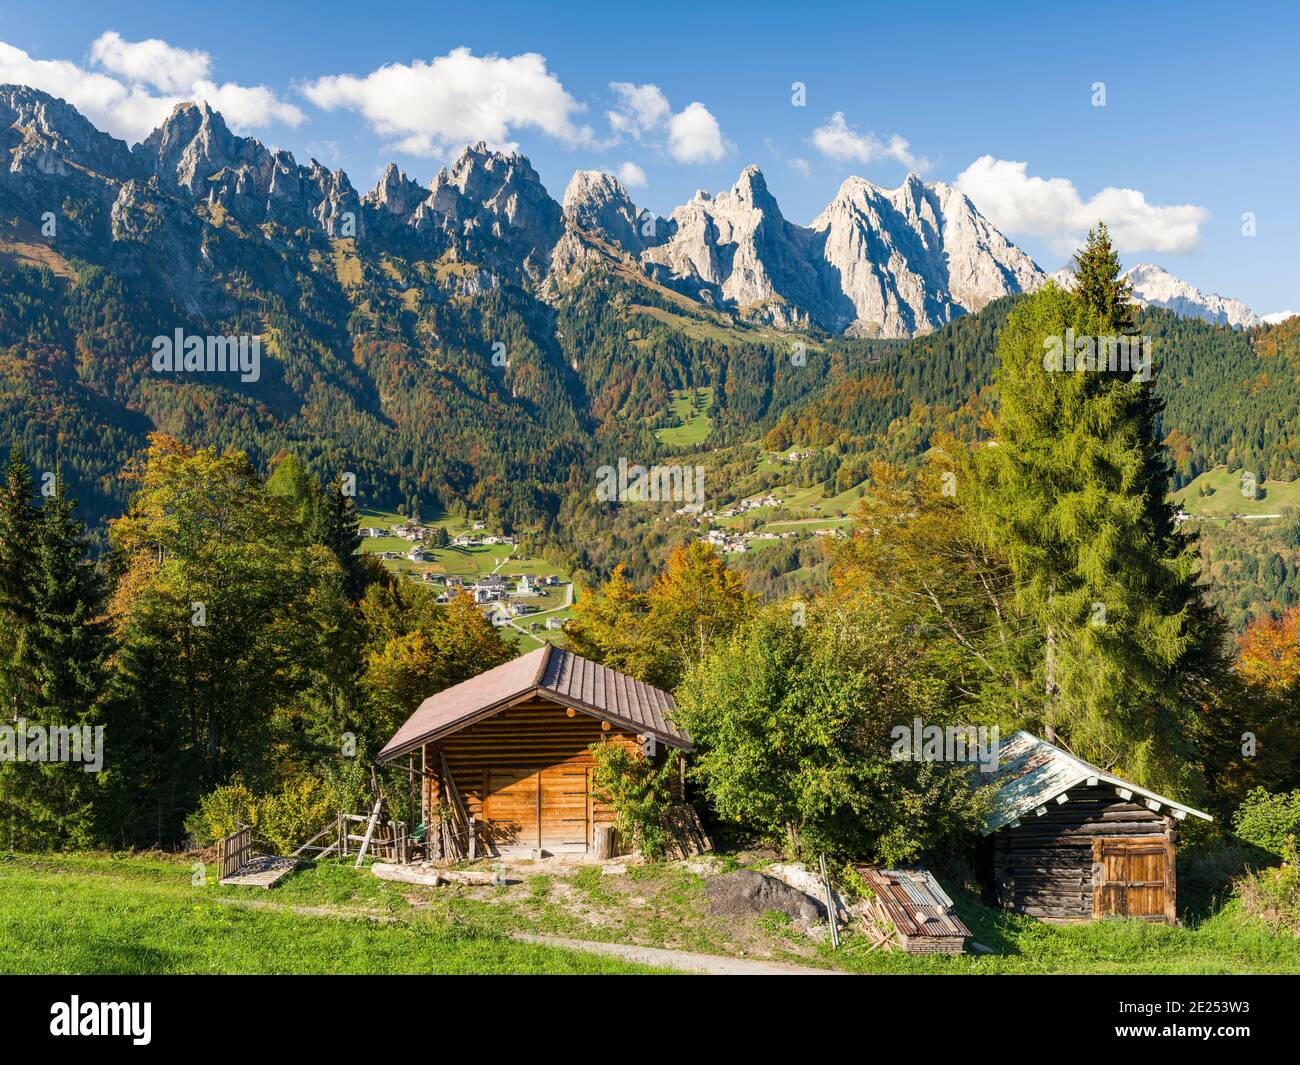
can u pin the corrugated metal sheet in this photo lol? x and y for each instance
(916, 903)
(574, 679)
(561, 675)
(1032, 772)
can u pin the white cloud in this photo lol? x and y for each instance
(1053, 209)
(632, 176)
(247, 106)
(841, 142)
(800, 166)
(152, 62)
(460, 98)
(694, 136)
(147, 79)
(641, 108)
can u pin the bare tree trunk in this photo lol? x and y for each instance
(1049, 709)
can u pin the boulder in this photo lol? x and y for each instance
(748, 891)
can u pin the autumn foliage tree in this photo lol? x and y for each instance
(658, 634)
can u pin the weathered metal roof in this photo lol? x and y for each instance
(916, 903)
(569, 679)
(1032, 772)
(578, 681)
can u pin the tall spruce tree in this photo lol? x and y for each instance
(18, 537)
(1073, 491)
(337, 527)
(66, 652)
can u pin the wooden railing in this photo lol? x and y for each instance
(235, 850)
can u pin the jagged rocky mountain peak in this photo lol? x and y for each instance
(395, 193)
(891, 262)
(597, 203)
(1154, 286)
(47, 136)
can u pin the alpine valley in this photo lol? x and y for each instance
(480, 347)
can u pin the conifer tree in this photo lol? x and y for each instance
(1073, 491)
(66, 652)
(337, 527)
(18, 534)
(1099, 283)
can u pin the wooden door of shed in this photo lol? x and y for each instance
(565, 809)
(510, 807)
(1133, 877)
(547, 807)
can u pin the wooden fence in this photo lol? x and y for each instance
(235, 850)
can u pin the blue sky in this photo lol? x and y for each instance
(1201, 122)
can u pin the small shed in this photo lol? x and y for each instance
(504, 759)
(911, 909)
(1072, 842)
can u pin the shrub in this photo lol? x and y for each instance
(281, 820)
(289, 817)
(795, 725)
(1273, 895)
(346, 783)
(220, 812)
(639, 793)
(1266, 819)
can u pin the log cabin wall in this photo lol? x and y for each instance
(525, 775)
(1047, 866)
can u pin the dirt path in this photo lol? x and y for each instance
(683, 961)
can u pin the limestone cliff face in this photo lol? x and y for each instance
(888, 262)
(884, 262)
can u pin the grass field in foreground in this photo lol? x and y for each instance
(88, 915)
(100, 913)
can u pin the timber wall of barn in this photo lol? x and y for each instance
(529, 736)
(1044, 867)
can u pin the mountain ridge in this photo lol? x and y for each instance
(1154, 286)
(892, 263)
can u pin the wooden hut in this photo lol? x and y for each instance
(504, 759)
(1072, 842)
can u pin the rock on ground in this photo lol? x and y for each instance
(748, 891)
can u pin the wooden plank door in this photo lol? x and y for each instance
(510, 807)
(1132, 878)
(565, 822)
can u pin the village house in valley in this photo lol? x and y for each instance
(504, 758)
(1072, 842)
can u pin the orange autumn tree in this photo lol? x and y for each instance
(657, 635)
(1268, 653)
(1268, 666)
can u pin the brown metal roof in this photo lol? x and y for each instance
(578, 681)
(916, 903)
(569, 679)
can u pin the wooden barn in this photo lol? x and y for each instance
(503, 760)
(1072, 842)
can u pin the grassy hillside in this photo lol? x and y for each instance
(142, 914)
(691, 408)
(1218, 493)
(84, 915)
